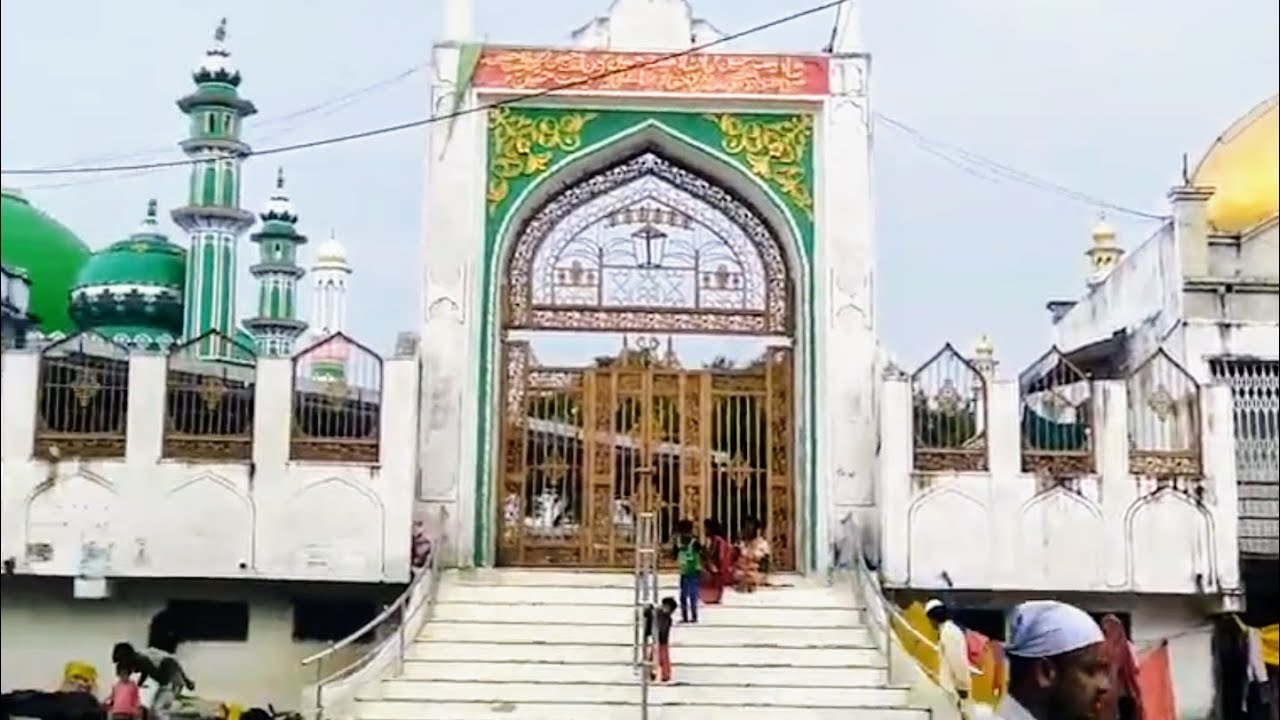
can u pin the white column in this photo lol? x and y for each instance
(845, 321)
(894, 484)
(1217, 443)
(454, 222)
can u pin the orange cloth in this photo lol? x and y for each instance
(1155, 677)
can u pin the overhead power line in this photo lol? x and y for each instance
(962, 159)
(399, 127)
(992, 171)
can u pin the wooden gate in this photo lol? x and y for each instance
(584, 450)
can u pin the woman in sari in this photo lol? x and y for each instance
(753, 559)
(717, 563)
(1124, 701)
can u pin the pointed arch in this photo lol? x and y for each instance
(1150, 502)
(647, 244)
(754, 202)
(652, 137)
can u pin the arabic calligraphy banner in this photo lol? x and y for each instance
(699, 73)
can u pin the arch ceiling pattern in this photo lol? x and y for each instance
(648, 245)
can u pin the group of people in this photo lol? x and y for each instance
(707, 566)
(1062, 664)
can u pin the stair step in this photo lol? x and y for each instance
(629, 692)
(609, 614)
(620, 652)
(580, 596)
(587, 578)
(623, 631)
(425, 710)
(573, 671)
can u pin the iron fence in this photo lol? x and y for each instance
(209, 399)
(337, 402)
(82, 407)
(1164, 419)
(949, 414)
(1056, 420)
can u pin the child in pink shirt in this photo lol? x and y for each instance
(125, 702)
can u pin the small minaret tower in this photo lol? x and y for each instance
(330, 276)
(212, 217)
(276, 328)
(1104, 253)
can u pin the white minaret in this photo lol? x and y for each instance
(330, 277)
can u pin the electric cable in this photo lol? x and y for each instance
(991, 170)
(409, 125)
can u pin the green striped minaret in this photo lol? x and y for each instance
(212, 217)
(276, 327)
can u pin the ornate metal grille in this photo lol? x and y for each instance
(949, 414)
(1255, 392)
(586, 449)
(83, 399)
(337, 402)
(648, 246)
(1164, 419)
(1056, 424)
(210, 401)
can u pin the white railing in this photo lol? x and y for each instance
(881, 615)
(646, 601)
(393, 629)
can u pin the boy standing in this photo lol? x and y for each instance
(662, 621)
(688, 555)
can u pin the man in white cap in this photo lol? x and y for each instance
(953, 651)
(1058, 668)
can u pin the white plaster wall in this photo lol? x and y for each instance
(1005, 529)
(271, 518)
(42, 628)
(1142, 294)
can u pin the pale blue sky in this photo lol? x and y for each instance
(1099, 95)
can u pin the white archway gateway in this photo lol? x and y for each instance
(667, 229)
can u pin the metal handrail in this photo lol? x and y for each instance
(881, 614)
(646, 596)
(412, 607)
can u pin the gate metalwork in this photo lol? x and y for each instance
(83, 399)
(1057, 418)
(1255, 392)
(209, 400)
(585, 450)
(1164, 419)
(949, 414)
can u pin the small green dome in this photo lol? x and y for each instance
(48, 252)
(134, 286)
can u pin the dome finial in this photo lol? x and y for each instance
(1103, 234)
(153, 206)
(280, 178)
(220, 34)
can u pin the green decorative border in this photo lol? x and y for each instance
(526, 146)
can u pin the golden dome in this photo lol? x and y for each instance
(1243, 165)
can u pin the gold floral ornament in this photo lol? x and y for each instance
(211, 392)
(1162, 404)
(86, 386)
(774, 151)
(523, 145)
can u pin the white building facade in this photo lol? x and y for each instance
(247, 494)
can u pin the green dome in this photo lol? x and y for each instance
(134, 286)
(50, 254)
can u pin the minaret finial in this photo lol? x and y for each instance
(280, 178)
(152, 208)
(220, 34)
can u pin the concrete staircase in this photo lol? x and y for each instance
(530, 645)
